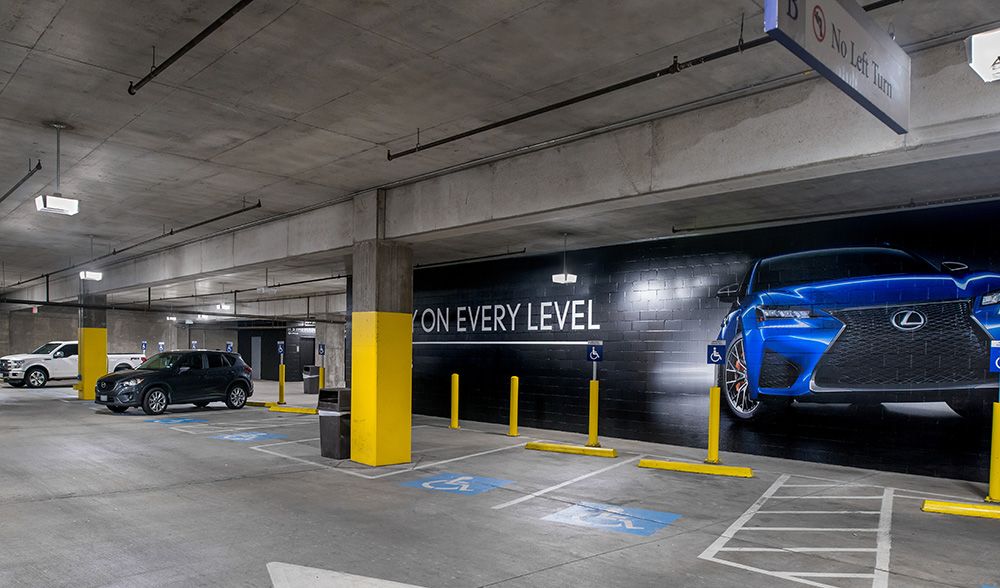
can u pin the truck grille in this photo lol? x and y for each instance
(950, 350)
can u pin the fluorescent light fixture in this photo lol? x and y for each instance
(984, 55)
(267, 290)
(56, 204)
(172, 319)
(223, 306)
(188, 322)
(564, 278)
(91, 276)
(203, 317)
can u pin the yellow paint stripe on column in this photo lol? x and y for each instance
(93, 359)
(381, 387)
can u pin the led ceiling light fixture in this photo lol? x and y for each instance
(223, 306)
(172, 319)
(565, 277)
(91, 276)
(55, 202)
(984, 55)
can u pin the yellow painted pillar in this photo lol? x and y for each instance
(381, 347)
(454, 402)
(714, 398)
(514, 383)
(994, 493)
(93, 359)
(281, 383)
(592, 426)
(322, 377)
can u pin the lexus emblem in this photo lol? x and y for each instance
(908, 320)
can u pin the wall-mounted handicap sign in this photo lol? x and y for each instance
(194, 345)
(143, 345)
(161, 346)
(322, 349)
(618, 519)
(281, 347)
(994, 356)
(457, 483)
(247, 436)
(595, 350)
(229, 346)
(716, 354)
(175, 421)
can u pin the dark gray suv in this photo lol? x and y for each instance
(178, 377)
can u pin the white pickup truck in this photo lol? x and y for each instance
(56, 360)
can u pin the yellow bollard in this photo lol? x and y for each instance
(592, 427)
(281, 383)
(994, 493)
(322, 377)
(514, 382)
(454, 402)
(714, 397)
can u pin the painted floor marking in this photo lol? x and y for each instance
(610, 517)
(457, 483)
(564, 484)
(248, 436)
(882, 532)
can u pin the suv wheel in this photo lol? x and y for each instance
(36, 377)
(155, 402)
(237, 397)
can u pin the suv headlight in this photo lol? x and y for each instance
(991, 298)
(777, 312)
(132, 382)
(17, 363)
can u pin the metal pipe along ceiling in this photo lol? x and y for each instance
(27, 176)
(673, 68)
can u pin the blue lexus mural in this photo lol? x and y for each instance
(859, 325)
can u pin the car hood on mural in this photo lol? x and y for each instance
(885, 290)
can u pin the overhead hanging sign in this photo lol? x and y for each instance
(984, 55)
(838, 39)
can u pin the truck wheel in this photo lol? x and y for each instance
(237, 396)
(118, 409)
(36, 377)
(154, 402)
(122, 367)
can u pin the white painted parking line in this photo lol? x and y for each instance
(564, 484)
(881, 532)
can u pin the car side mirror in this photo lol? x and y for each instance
(953, 266)
(58, 355)
(728, 293)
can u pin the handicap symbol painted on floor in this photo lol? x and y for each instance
(608, 517)
(175, 421)
(249, 436)
(457, 483)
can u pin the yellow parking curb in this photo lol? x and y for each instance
(574, 449)
(961, 509)
(697, 468)
(293, 409)
(260, 404)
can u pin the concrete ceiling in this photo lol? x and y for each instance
(295, 102)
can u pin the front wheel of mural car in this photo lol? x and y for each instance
(736, 389)
(975, 409)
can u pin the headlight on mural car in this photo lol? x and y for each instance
(991, 298)
(765, 313)
(131, 383)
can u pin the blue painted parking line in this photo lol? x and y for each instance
(608, 517)
(175, 421)
(248, 436)
(457, 483)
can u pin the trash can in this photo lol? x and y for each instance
(334, 407)
(310, 379)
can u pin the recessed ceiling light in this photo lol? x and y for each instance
(91, 276)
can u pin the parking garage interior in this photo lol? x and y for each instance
(419, 293)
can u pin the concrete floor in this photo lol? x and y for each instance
(90, 498)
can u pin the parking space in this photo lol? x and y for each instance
(247, 488)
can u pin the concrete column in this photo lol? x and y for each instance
(331, 335)
(93, 338)
(382, 352)
(5, 334)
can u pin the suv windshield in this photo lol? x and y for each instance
(160, 361)
(837, 264)
(47, 348)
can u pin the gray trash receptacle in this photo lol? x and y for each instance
(334, 407)
(310, 379)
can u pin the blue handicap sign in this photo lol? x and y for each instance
(618, 519)
(595, 351)
(322, 349)
(247, 436)
(994, 356)
(281, 347)
(175, 421)
(229, 346)
(716, 354)
(143, 346)
(457, 483)
(161, 346)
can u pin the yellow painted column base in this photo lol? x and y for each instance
(573, 449)
(961, 509)
(292, 409)
(93, 360)
(281, 383)
(697, 468)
